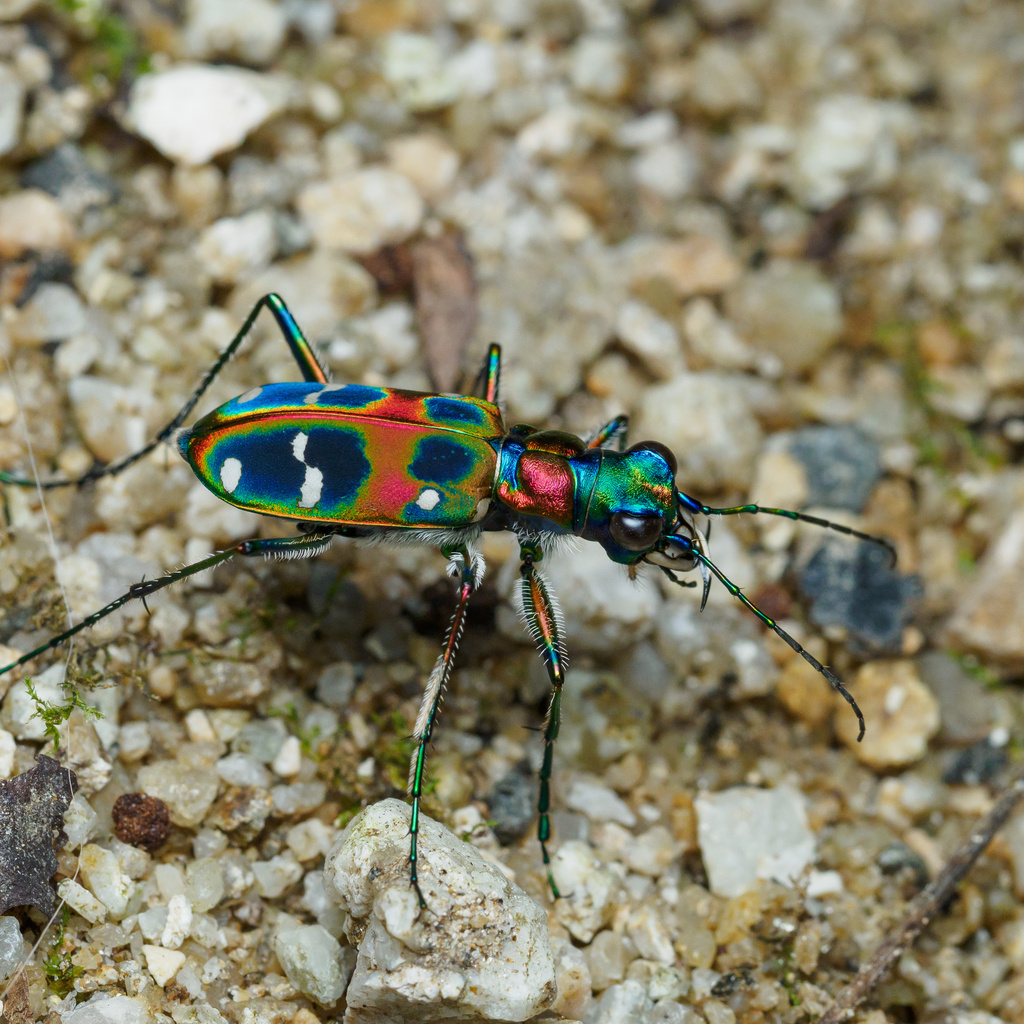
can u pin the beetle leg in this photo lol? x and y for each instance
(544, 621)
(280, 547)
(469, 570)
(302, 351)
(490, 375)
(612, 433)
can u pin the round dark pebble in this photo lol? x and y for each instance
(897, 856)
(854, 586)
(978, 763)
(511, 806)
(842, 465)
(141, 821)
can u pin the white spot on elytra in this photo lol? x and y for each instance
(314, 395)
(482, 508)
(312, 487)
(230, 474)
(313, 482)
(428, 499)
(249, 396)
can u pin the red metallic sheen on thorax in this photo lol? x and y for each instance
(544, 486)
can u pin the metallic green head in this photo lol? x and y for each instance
(632, 504)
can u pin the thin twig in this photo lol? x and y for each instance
(923, 907)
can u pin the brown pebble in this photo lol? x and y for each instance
(141, 820)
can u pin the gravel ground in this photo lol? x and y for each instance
(784, 236)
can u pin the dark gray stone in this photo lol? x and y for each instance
(854, 586)
(67, 175)
(978, 763)
(842, 465)
(511, 805)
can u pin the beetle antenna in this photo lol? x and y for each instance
(694, 506)
(835, 682)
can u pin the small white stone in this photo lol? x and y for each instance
(746, 835)
(310, 839)
(12, 103)
(289, 758)
(31, 219)
(8, 748)
(474, 69)
(243, 770)
(192, 112)
(251, 30)
(111, 417)
(414, 65)
(598, 66)
(590, 890)
(427, 161)
(276, 875)
(298, 798)
(80, 822)
(170, 879)
(361, 211)
(668, 168)
(647, 130)
(104, 877)
(134, 739)
(12, 946)
(608, 609)
(824, 883)
(198, 727)
(652, 339)
(179, 922)
(553, 134)
(54, 313)
(314, 961)
(19, 710)
(235, 248)
(599, 803)
(81, 901)
(163, 964)
(848, 135)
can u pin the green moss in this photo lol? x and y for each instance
(113, 48)
(53, 716)
(57, 965)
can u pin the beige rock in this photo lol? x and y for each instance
(989, 616)
(427, 161)
(33, 221)
(900, 711)
(698, 265)
(805, 693)
(361, 211)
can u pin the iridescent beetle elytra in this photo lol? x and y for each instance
(373, 462)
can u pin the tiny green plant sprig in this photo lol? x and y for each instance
(53, 716)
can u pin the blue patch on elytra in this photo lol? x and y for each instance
(341, 456)
(453, 411)
(417, 515)
(272, 475)
(354, 396)
(271, 397)
(441, 460)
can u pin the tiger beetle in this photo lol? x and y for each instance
(389, 465)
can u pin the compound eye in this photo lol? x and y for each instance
(660, 449)
(635, 533)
